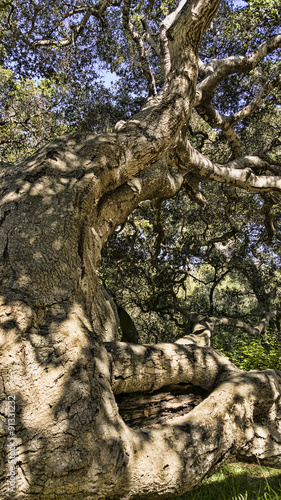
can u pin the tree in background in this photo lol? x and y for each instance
(195, 159)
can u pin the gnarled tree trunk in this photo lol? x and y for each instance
(62, 434)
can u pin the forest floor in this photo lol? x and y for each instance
(239, 481)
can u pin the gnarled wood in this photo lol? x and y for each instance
(59, 361)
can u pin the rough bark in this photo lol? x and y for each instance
(58, 376)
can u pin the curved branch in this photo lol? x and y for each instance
(204, 327)
(226, 122)
(239, 172)
(155, 181)
(239, 416)
(218, 120)
(110, 160)
(150, 367)
(246, 327)
(222, 68)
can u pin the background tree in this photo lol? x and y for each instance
(203, 185)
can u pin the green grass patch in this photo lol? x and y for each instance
(239, 482)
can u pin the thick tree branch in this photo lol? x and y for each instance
(147, 368)
(218, 120)
(222, 68)
(239, 172)
(156, 181)
(252, 398)
(165, 56)
(144, 139)
(229, 419)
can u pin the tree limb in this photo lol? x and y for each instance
(239, 172)
(226, 122)
(150, 367)
(267, 88)
(268, 218)
(96, 11)
(149, 37)
(128, 25)
(218, 120)
(222, 68)
(156, 181)
(246, 327)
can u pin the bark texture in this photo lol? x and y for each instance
(60, 366)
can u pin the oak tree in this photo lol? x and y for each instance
(94, 417)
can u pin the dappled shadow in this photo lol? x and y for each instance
(68, 425)
(147, 368)
(67, 422)
(221, 426)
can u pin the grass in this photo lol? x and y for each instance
(239, 482)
